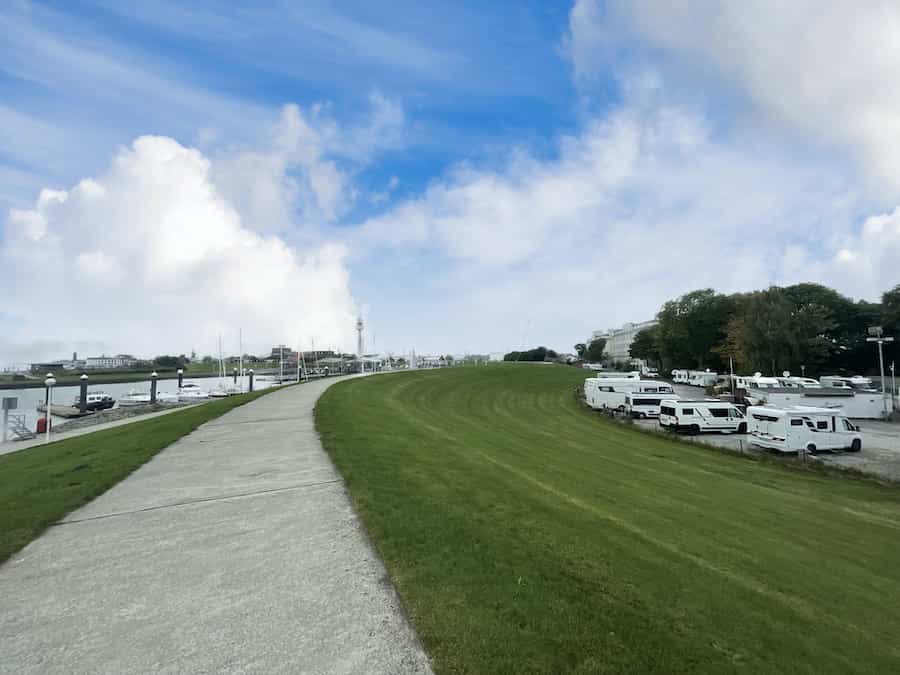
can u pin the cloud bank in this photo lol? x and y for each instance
(150, 257)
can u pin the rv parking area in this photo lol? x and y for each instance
(880, 454)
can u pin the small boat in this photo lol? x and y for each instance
(134, 398)
(192, 392)
(167, 397)
(96, 400)
(222, 392)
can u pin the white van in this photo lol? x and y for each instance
(702, 378)
(643, 405)
(680, 376)
(605, 393)
(802, 428)
(698, 415)
(857, 382)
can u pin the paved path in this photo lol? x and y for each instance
(234, 550)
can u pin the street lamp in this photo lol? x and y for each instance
(180, 372)
(82, 398)
(153, 377)
(49, 382)
(877, 335)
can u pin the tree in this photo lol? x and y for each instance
(692, 327)
(645, 346)
(594, 351)
(580, 348)
(536, 354)
(170, 361)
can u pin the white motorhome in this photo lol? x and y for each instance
(644, 405)
(790, 382)
(857, 382)
(702, 378)
(680, 376)
(756, 381)
(698, 415)
(609, 393)
(802, 428)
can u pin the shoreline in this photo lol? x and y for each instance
(101, 379)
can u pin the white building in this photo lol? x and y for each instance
(619, 340)
(118, 361)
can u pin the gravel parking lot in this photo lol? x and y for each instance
(880, 454)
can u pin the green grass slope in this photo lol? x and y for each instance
(526, 534)
(40, 485)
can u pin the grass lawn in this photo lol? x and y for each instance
(40, 485)
(526, 534)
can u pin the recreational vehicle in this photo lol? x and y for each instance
(643, 404)
(607, 393)
(680, 376)
(699, 415)
(857, 383)
(702, 378)
(802, 428)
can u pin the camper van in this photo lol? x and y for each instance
(612, 393)
(702, 378)
(802, 428)
(680, 376)
(698, 415)
(643, 405)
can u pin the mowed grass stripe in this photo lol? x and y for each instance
(526, 534)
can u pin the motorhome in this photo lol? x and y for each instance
(608, 393)
(756, 381)
(646, 405)
(702, 378)
(857, 382)
(802, 428)
(698, 415)
(680, 376)
(791, 382)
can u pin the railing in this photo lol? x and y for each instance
(19, 429)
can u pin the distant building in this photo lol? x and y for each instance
(117, 361)
(619, 340)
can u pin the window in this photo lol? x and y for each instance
(718, 412)
(764, 418)
(645, 401)
(687, 411)
(796, 423)
(665, 410)
(822, 424)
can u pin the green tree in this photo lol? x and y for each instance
(594, 351)
(645, 346)
(580, 348)
(692, 328)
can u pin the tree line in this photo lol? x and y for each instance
(779, 328)
(536, 354)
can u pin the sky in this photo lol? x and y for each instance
(467, 177)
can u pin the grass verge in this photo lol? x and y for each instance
(40, 485)
(527, 535)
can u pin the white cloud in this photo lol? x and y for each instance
(150, 257)
(823, 68)
(642, 205)
(305, 172)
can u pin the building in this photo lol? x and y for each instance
(117, 361)
(619, 340)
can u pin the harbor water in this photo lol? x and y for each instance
(28, 399)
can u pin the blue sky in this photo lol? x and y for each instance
(465, 175)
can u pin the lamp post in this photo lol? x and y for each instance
(82, 394)
(250, 373)
(877, 335)
(234, 375)
(803, 370)
(893, 385)
(180, 372)
(153, 377)
(49, 382)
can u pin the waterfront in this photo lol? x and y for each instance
(28, 399)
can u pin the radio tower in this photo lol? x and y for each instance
(359, 337)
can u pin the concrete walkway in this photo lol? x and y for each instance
(235, 550)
